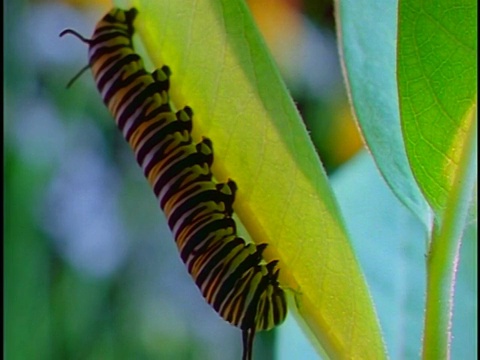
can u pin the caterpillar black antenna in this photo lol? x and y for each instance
(85, 40)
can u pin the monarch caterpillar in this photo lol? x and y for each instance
(228, 271)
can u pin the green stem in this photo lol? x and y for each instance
(443, 256)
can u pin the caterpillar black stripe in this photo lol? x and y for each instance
(229, 272)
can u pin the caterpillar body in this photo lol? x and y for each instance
(229, 272)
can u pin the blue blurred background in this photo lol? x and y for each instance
(91, 269)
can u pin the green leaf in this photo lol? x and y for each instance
(367, 42)
(437, 78)
(222, 69)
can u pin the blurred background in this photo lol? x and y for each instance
(91, 269)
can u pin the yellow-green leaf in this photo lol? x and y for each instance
(222, 69)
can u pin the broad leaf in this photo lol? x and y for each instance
(222, 69)
(437, 78)
(367, 40)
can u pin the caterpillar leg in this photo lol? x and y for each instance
(228, 191)
(186, 114)
(163, 73)
(206, 149)
(247, 336)
(162, 77)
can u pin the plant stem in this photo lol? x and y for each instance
(443, 256)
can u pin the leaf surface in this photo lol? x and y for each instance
(437, 80)
(367, 41)
(222, 69)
